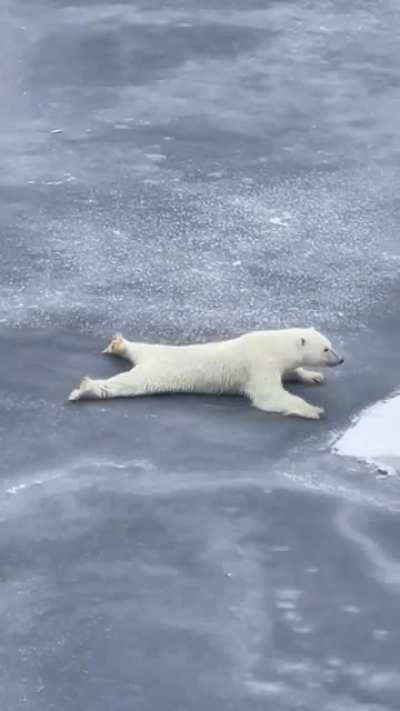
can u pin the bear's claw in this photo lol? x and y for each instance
(317, 378)
(312, 377)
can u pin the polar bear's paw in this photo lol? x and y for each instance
(74, 395)
(116, 346)
(88, 389)
(311, 412)
(312, 377)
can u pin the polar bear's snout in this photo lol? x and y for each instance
(332, 358)
(317, 350)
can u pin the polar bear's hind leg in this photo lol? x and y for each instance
(141, 380)
(127, 384)
(122, 348)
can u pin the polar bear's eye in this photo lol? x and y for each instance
(326, 350)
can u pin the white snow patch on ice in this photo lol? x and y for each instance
(374, 436)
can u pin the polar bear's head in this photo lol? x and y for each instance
(316, 350)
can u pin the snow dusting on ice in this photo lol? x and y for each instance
(374, 437)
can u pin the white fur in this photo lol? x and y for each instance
(253, 365)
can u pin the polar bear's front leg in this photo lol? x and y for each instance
(277, 399)
(307, 377)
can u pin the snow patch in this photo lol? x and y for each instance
(374, 436)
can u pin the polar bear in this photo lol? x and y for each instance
(254, 365)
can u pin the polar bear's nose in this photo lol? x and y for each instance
(338, 361)
(334, 358)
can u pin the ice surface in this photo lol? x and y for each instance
(183, 171)
(262, 197)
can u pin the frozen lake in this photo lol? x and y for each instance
(181, 172)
